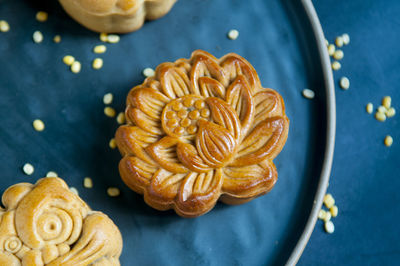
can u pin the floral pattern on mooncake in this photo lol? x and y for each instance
(200, 130)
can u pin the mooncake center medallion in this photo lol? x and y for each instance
(180, 117)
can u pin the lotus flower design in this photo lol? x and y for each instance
(46, 224)
(201, 129)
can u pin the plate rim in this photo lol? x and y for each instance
(330, 134)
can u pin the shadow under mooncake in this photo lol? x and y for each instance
(200, 130)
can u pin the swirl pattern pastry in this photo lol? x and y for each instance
(46, 224)
(119, 16)
(201, 129)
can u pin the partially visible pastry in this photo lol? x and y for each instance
(47, 224)
(200, 130)
(115, 16)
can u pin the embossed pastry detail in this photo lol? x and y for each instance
(200, 130)
(118, 16)
(46, 224)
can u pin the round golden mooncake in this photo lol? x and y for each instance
(118, 16)
(47, 224)
(200, 130)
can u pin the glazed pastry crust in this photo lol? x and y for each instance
(200, 130)
(47, 224)
(115, 16)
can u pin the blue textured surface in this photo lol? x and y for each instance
(274, 37)
(365, 178)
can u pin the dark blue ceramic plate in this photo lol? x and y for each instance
(277, 37)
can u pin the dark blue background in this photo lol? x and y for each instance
(365, 178)
(275, 37)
